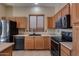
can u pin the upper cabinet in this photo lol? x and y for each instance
(21, 22)
(66, 10)
(74, 8)
(11, 18)
(50, 22)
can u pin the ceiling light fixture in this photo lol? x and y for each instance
(36, 3)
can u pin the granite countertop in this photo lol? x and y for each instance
(50, 35)
(67, 44)
(4, 46)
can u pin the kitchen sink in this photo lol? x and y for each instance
(34, 34)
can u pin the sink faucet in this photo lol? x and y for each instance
(33, 33)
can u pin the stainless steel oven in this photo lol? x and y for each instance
(55, 48)
(55, 42)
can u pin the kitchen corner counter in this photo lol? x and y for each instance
(67, 45)
(4, 46)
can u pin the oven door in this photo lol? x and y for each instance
(55, 48)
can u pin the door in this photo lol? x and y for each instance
(39, 42)
(29, 42)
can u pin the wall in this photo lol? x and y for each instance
(25, 11)
(2, 11)
(9, 11)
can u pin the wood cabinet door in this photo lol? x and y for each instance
(50, 22)
(75, 50)
(66, 10)
(21, 22)
(63, 53)
(46, 43)
(39, 42)
(29, 42)
(59, 14)
(54, 21)
(73, 12)
(76, 19)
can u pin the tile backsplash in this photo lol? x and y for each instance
(58, 31)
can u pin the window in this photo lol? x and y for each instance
(36, 23)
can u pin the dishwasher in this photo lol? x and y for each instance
(19, 43)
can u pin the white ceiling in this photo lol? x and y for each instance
(32, 4)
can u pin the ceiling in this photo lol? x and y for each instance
(32, 4)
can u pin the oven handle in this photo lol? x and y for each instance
(55, 42)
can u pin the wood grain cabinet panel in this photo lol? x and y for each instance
(46, 43)
(50, 22)
(66, 10)
(39, 42)
(75, 51)
(29, 42)
(65, 51)
(21, 22)
(75, 12)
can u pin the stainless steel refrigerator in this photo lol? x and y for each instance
(7, 30)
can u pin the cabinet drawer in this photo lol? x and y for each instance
(65, 50)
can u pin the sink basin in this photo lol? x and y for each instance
(34, 34)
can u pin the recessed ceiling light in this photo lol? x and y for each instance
(36, 3)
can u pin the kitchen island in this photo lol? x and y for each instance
(6, 49)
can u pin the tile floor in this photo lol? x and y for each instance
(31, 53)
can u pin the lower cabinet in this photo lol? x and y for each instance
(65, 51)
(47, 42)
(37, 42)
(29, 42)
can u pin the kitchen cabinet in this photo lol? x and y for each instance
(75, 51)
(66, 10)
(39, 42)
(74, 8)
(6, 49)
(47, 42)
(65, 51)
(59, 15)
(50, 22)
(21, 22)
(10, 18)
(29, 42)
